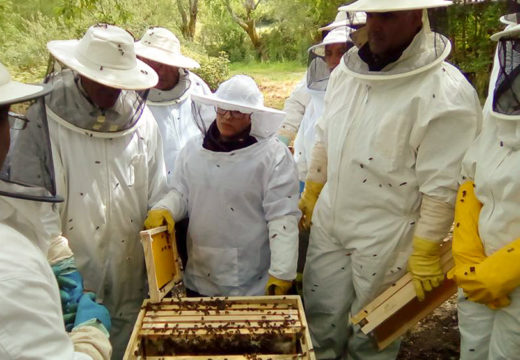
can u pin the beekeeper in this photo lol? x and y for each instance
(31, 316)
(239, 186)
(486, 239)
(109, 164)
(170, 100)
(397, 121)
(295, 106)
(323, 58)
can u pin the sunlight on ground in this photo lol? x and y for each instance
(276, 80)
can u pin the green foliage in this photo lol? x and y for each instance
(469, 29)
(213, 69)
(24, 35)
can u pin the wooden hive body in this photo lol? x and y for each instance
(397, 309)
(261, 328)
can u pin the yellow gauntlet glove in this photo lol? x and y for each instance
(467, 247)
(494, 278)
(277, 286)
(425, 266)
(307, 202)
(160, 217)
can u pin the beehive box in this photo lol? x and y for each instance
(397, 309)
(234, 328)
(163, 264)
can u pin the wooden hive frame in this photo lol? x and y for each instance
(220, 321)
(163, 263)
(397, 309)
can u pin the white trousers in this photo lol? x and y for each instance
(331, 290)
(489, 334)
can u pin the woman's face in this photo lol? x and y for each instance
(333, 54)
(232, 123)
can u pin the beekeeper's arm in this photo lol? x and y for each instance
(32, 325)
(440, 150)
(294, 109)
(317, 169)
(281, 213)
(89, 321)
(173, 206)
(157, 184)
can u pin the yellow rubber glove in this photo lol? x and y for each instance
(467, 247)
(277, 286)
(160, 217)
(425, 266)
(307, 202)
(494, 278)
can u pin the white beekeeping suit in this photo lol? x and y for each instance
(172, 107)
(295, 106)
(318, 73)
(242, 203)
(489, 331)
(109, 166)
(30, 307)
(393, 141)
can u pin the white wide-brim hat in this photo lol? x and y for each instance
(393, 5)
(339, 35)
(161, 45)
(12, 92)
(512, 31)
(238, 93)
(509, 19)
(346, 19)
(106, 55)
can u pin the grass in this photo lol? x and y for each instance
(276, 80)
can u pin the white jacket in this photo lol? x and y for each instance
(393, 136)
(243, 209)
(294, 108)
(108, 185)
(305, 137)
(30, 307)
(176, 122)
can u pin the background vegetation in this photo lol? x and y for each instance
(222, 32)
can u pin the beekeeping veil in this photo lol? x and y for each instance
(318, 71)
(426, 50)
(27, 171)
(106, 56)
(505, 102)
(343, 18)
(239, 93)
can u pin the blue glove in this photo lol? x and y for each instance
(69, 280)
(89, 309)
(70, 284)
(302, 186)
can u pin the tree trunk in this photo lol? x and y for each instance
(248, 24)
(188, 18)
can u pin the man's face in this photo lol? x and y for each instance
(389, 32)
(5, 138)
(103, 96)
(333, 54)
(168, 75)
(232, 123)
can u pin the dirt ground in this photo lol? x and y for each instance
(434, 338)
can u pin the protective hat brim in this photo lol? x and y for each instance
(164, 57)
(213, 100)
(14, 92)
(140, 77)
(394, 5)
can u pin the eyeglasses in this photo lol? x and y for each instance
(17, 121)
(233, 113)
